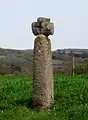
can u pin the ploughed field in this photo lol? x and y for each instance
(71, 99)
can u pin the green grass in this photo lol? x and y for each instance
(71, 99)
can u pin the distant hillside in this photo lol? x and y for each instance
(20, 61)
(83, 53)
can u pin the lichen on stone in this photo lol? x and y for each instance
(43, 73)
(43, 26)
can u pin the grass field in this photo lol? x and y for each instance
(71, 99)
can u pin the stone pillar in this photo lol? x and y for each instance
(43, 88)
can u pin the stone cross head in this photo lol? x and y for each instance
(43, 26)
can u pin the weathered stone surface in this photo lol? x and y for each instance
(43, 26)
(42, 73)
(35, 28)
(43, 19)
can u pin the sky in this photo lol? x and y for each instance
(70, 18)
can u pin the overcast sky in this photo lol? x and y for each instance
(70, 19)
